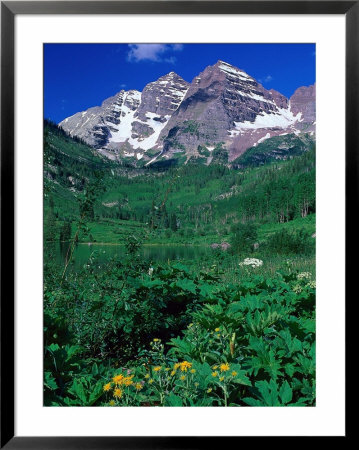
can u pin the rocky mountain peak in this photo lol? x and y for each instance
(220, 102)
(163, 96)
(222, 106)
(231, 70)
(170, 76)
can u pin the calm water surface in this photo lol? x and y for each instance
(152, 253)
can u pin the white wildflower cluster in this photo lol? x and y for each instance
(304, 275)
(254, 262)
(150, 271)
(297, 289)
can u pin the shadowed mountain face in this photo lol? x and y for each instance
(303, 101)
(222, 109)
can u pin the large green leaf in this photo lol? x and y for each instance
(49, 381)
(78, 391)
(173, 400)
(285, 393)
(186, 285)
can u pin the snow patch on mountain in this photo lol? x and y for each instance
(156, 125)
(124, 128)
(283, 119)
(225, 67)
(267, 136)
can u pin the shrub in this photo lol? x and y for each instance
(244, 235)
(285, 242)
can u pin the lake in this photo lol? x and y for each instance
(152, 253)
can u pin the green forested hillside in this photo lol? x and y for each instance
(273, 149)
(189, 202)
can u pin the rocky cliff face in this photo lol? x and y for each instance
(223, 108)
(222, 103)
(163, 96)
(130, 122)
(303, 102)
(98, 125)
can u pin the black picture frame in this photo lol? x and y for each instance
(9, 10)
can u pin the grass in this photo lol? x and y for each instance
(112, 231)
(307, 223)
(115, 231)
(271, 265)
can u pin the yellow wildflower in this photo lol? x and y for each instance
(167, 369)
(157, 368)
(218, 335)
(183, 377)
(176, 366)
(214, 374)
(107, 387)
(224, 367)
(156, 340)
(127, 381)
(151, 381)
(173, 373)
(217, 329)
(138, 386)
(117, 378)
(193, 370)
(215, 367)
(185, 365)
(234, 373)
(221, 379)
(147, 375)
(117, 393)
(209, 390)
(112, 403)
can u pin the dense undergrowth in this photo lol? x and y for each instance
(170, 335)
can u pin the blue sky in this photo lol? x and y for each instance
(79, 76)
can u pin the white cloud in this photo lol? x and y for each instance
(266, 79)
(177, 47)
(153, 52)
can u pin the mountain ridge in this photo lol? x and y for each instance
(223, 105)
